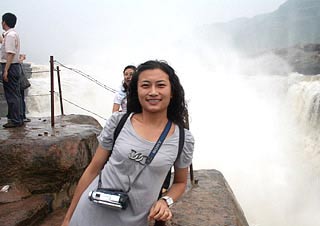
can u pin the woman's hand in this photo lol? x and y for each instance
(160, 211)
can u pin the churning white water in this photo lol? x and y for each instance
(261, 131)
(80, 95)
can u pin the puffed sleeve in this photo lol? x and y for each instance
(105, 138)
(118, 98)
(185, 159)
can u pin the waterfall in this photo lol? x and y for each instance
(304, 94)
(303, 99)
(262, 133)
(80, 96)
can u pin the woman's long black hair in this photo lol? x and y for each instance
(177, 109)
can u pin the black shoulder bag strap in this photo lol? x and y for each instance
(181, 141)
(119, 128)
(167, 180)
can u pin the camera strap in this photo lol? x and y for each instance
(151, 155)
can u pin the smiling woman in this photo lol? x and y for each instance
(152, 132)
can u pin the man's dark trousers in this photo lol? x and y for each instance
(12, 93)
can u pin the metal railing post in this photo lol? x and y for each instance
(52, 90)
(60, 92)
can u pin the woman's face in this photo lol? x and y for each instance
(128, 75)
(154, 90)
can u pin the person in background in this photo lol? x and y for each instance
(24, 84)
(155, 99)
(120, 99)
(11, 70)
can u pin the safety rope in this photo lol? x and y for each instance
(84, 109)
(70, 102)
(37, 95)
(87, 76)
(34, 72)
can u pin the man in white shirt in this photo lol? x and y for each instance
(11, 70)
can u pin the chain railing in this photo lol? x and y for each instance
(87, 76)
(57, 94)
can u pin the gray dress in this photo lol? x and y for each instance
(120, 172)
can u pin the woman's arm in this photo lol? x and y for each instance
(96, 164)
(116, 107)
(160, 210)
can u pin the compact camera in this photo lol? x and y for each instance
(113, 198)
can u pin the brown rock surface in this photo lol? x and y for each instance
(209, 203)
(17, 192)
(38, 159)
(44, 158)
(26, 212)
(55, 218)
